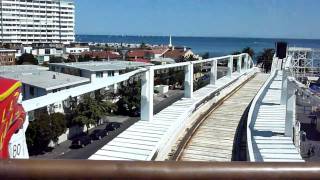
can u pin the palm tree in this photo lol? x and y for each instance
(249, 50)
(265, 59)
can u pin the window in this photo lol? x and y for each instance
(110, 73)
(31, 89)
(99, 74)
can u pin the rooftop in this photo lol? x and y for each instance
(103, 65)
(102, 54)
(47, 80)
(22, 68)
(175, 53)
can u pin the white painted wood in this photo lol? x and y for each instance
(266, 125)
(151, 136)
(147, 85)
(218, 130)
(188, 81)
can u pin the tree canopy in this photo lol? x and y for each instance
(265, 59)
(205, 55)
(44, 129)
(87, 112)
(249, 50)
(27, 58)
(54, 59)
(130, 95)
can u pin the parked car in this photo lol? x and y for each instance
(81, 141)
(112, 126)
(98, 134)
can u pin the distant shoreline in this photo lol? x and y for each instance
(215, 46)
(213, 37)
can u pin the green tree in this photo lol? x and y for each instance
(176, 76)
(84, 58)
(54, 59)
(88, 112)
(249, 50)
(206, 55)
(58, 125)
(72, 58)
(27, 58)
(265, 59)
(130, 95)
(39, 134)
(143, 45)
(44, 129)
(106, 106)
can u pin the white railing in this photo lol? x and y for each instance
(289, 89)
(147, 84)
(148, 78)
(147, 88)
(278, 65)
(253, 112)
(51, 98)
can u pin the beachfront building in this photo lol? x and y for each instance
(179, 54)
(37, 21)
(42, 53)
(7, 56)
(75, 50)
(37, 81)
(96, 69)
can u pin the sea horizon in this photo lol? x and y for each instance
(215, 46)
(186, 36)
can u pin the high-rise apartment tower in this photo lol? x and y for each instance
(37, 21)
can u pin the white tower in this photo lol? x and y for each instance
(170, 42)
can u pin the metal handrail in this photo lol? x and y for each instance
(84, 169)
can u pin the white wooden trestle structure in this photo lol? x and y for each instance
(145, 139)
(271, 120)
(214, 139)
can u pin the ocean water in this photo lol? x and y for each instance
(215, 46)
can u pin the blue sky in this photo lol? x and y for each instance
(218, 18)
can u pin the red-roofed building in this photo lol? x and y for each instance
(139, 53)
(159, 51)
(178, 54)
(102, 54)
(155, 52)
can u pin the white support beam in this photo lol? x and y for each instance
(239, 64)
(147, 85)
(291, 100)
(284, 92)
(115, 86)
(188, 81)
(246, 62)
(230, 66)
(214, 72)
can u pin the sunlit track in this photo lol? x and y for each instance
(214, 138)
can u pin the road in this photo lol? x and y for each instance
(86, 152)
